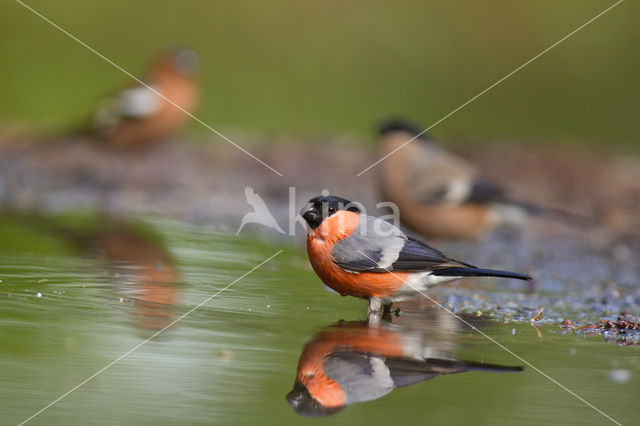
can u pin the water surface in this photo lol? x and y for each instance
(77, 293)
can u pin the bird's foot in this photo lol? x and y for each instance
(386, 313)
(380, 311)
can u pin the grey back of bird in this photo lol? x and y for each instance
(436, 176)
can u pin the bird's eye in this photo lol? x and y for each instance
(332, 209)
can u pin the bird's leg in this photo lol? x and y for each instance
(375, 305)
(374, 312)
(374, 320)
(386, 312)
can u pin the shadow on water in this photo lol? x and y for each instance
(352, 361)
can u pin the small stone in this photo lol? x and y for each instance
(620, 375)
(224, 355)
(621, 252)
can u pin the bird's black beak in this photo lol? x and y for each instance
(298, 396)
(311, 215)
(303, 403)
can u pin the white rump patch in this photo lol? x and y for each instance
(138, 102)
(459, 190)
(419, 282)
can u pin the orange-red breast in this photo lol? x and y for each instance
(440, 194)
(366, 257)
(137, 116)
(351, 362)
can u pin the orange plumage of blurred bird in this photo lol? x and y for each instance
(441, 195)
(363, 256)
(145, 261)
(137, 116)
(351, 363)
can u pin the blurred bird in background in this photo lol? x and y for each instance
(352, 362)
(441, 195)
(137, 116)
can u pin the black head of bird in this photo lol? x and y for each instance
(184, 61)
(321, 207)
(400, 125)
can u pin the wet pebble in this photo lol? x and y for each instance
(224, 355)
(620, 375)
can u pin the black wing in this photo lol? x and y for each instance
(418, 256)
(484, 191)
(406, 372)
(383, 248)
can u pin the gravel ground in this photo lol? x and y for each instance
(583, 273)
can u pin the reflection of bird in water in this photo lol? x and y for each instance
(441, 195)
(146, 275)
(137, 116)
(351, 362)
(260, 213)
(154, 291)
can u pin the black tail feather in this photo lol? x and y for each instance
(473, 366)
(479, 272)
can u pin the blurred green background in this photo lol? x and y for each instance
(308, 68)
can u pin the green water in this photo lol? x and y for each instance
(73, 300)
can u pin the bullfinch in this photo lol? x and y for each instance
(367, 257)
(442, 195)
(351, 362)
(137, 116)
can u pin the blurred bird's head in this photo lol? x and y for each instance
(303, 403)
(181, 60)
(402, 128)
(322, 207)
